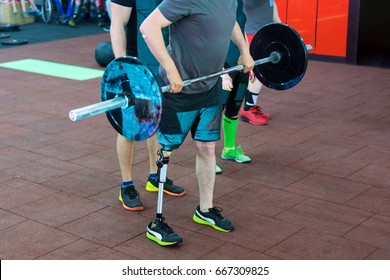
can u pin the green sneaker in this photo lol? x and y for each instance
(218, 170)
(236, 154)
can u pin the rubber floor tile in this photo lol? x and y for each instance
(194, 246)
(253, 231)
(310, 244)
(58, 209)
(8, 219)
(375, 231)
(17, 192)
(233, 252)
(108, 227)
(39, 240)
(324, 216)
(327, 188)
(85, 250)
(368, 201)
(373, 174)
(263, 200)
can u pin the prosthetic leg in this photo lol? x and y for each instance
(159, 231)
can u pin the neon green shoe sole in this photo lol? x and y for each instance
(159, 242)
(203, 222)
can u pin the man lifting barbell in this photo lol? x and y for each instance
(199, 40)
(281, 61)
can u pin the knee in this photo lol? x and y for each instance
(205, 148)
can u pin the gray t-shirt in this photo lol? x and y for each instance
(258, 13)
(199, 38)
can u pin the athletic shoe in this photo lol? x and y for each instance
(106, 28)
(254, 116)
(72, 22)
(31, 11)
(218, 170)
(169, 187)
(100, 20)
(236, 154)
(213, 218)
(161, 233)
(130, 199)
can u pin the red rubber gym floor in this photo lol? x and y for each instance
(318, 186)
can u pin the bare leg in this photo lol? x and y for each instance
(255, 87)
(125, 153)
(153, 147)
(205, 172)
(23, 5)
(32, 4)
(15, 10)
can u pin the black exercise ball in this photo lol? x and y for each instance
(104, 54)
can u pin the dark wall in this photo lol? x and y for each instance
(373, 46)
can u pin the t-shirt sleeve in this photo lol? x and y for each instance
(173, 10)
(126, 3)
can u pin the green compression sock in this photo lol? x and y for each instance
(229, 131)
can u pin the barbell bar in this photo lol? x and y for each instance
(123, 101)
(132, 97)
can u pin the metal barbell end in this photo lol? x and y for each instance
(99, 108)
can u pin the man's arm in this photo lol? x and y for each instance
(245, 58)
(151, 32)
(276, 17)
(119, 19)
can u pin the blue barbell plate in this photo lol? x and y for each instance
(129, 77)
(290, 70)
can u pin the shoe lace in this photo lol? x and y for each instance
(216, 212)
(131, 193)
(257, 110)
(239, 150)
(164, 226)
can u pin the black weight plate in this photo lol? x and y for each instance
(4, 35)
(9, 27)
(14, 41)
(291, 68)
(130, 77)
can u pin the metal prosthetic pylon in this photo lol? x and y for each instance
(162, 167)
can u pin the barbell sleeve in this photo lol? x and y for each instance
(98, 108)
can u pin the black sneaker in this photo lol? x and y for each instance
(161, 233)
(213, 218)
(130, 199)
(169, 187)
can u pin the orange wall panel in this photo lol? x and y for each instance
(321, 23)
(302, 15)
(282, 9)
(332, 27)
